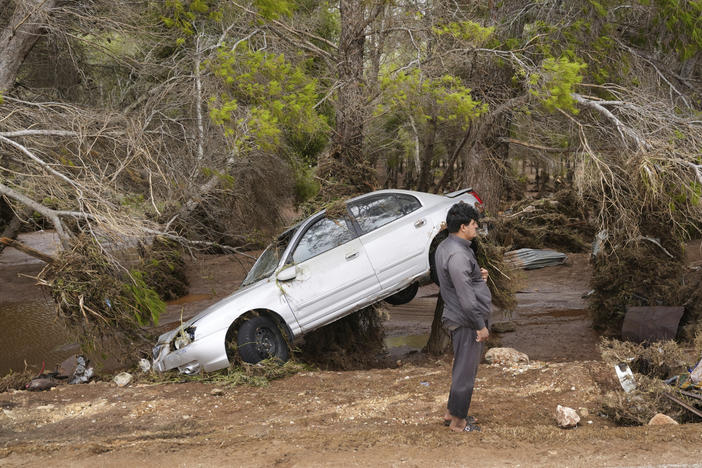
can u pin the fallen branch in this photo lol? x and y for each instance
(683, 404)
(28, 250)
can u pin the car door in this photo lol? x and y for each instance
(395, 233)
(332, 273)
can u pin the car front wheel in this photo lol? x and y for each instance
(260, 338)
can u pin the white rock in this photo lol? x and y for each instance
(505, 356)
(122, 379)
(661, 419)
(217, 392)
(566, 417)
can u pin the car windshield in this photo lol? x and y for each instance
(269, 259)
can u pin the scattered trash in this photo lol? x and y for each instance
(530, 259)
(626, 377)
(122, 379)
(144, 365)
(426, 384)
(654, 323)
(39, 384)
(661, 419)
(505, 356)
(566, 417)
(696, 374)
(600, 238)
(82, 372)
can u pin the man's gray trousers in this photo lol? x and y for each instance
(466, 357)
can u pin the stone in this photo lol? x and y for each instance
(503, 327)
(583, 412)
(505, 356)
(661, 419)
(217, 392)
(122, 379)
(566, 417)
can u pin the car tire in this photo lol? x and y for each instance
(432, 250)
(404, 296)
(260, 338)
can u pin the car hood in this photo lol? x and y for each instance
(212, 312)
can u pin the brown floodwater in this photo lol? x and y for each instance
(32, 336)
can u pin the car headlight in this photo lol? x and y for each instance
(184, 338)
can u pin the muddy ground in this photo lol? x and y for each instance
(384, 417)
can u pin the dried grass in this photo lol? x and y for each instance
(16, 380)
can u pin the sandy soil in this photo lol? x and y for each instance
(383, 417)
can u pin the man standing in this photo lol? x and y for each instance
(467, 302)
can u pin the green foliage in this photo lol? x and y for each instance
(273, 9)
(683, 19)
(181, 14)
(145, 302)
(556, 82)
(422, 99)
(465, 31)
(306, 186)
(266, 98)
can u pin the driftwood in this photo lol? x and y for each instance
(28, 250)
(683, 404)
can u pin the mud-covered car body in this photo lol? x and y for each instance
(375, 247)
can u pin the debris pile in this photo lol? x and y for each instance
(99, 299)
(659, 382)
(558, 222)
(353, 342)
(531, 259)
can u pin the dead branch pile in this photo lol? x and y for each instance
(651, 364)
(637, 274)
(557, 222)
(15, 380)
(162, 268)
(353, 342)
(101, 300)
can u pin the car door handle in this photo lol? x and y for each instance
(351, 256)
(420, 223)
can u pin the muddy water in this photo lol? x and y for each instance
(35, 337)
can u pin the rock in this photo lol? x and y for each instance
(661, 419)
(122, 379)
(503, 327)
(583, 412)
(505, 356)
(217, 392)
(144, 365)
(566, 417)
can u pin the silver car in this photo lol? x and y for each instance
(321, 270)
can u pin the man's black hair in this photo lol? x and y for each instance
(460, 213)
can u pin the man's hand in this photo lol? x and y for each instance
(482, 334)
(484, 274)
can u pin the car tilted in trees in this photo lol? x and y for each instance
(371, 248)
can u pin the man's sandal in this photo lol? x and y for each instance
(469, 420)
(471, 428)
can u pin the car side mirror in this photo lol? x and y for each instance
(287, 274)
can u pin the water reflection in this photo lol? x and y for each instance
(32, 333)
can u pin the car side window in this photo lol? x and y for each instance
(374, 212)
(323, 235)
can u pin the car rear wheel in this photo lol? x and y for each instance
(404, 296)
(260, 338)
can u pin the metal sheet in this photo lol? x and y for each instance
(651, 323)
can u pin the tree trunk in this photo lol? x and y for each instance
(439, 340)
(426, 179)
(19, 36)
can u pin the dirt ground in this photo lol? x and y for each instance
(380, 417)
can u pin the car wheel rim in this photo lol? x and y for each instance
(265, 342)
